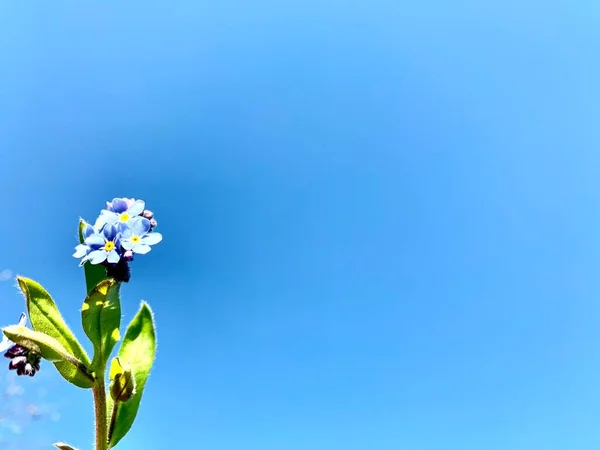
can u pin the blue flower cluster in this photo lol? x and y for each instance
(123, 229)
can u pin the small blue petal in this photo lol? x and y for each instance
(139, 226)
(122, 227)
(142, 249)
(126, 233)
(88, 230)
(152, 238)
(97, 256)
(110, 232)
(108, 217)
(119, 205)
(137, 208)
(81, 250)
(113, 257)
(95, 240)
(126, 244)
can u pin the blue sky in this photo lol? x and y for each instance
(380, 222)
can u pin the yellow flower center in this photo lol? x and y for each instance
(135, 239)
(109, 246)
(124, 217)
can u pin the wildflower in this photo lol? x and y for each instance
(106, 246)
(23, 360)
(138, 238)
(120, 211)
(128, 203)
(122, 230)
(90, 242)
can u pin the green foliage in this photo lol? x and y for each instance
(101, 319)
(46, 318)
(94, 274)
(137, 353)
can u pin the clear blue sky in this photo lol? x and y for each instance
(381, 223)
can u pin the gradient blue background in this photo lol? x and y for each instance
(380, 221)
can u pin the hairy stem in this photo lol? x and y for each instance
(100, 409)
(113, 419)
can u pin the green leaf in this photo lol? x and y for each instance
(46, 318)
(101, 318)
(46, 346)
(137, 352)
(63, 446)
(94, 273)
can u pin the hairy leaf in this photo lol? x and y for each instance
(137, 351)
(101, 319)
(46, 318)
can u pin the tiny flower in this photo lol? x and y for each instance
(123, 229)
(23, 360)
(106, 246)
(138, 238)
(120, 211)
(128, 202)
(90, 243)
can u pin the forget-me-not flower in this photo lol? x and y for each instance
(90, 243)
(119, 212)
(105, 246)
(123, 229)
(137, 236)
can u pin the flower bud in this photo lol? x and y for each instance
(148, 214)
(122, 386)
(119, 271)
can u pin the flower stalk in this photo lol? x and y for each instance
(123, 230)
(99, 391)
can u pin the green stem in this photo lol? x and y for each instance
(113, 419)
(100, 408)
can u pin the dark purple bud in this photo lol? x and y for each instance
(128, 256)
(153, 223)
(24, 361)
(16, 362)
(15, 351)
(119, 271)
